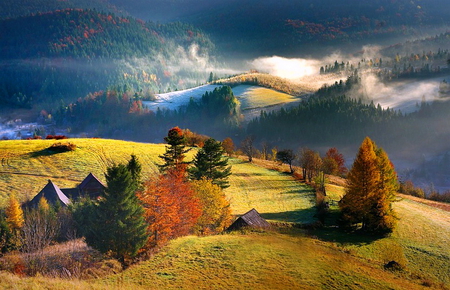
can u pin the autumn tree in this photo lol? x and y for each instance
(175, 152)
(209, 163)
(334, 156)
(228, 146)
(286, 156)
(310, 162)
(215, 209)
(14, 214)
(371, 187)
(117, 226)
(171, 208)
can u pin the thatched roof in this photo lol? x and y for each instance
(250, 219)
(52, 194)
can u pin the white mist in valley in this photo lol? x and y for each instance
(398, 95)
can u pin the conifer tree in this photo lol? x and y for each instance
(175, 152)
(371, 187)
(119, 227)
(14, 214)
(135, 168)
(209, 163)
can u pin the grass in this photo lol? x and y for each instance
(257, 261)
(27, 164)
(252, 97)
(284, 259)
(276, 196)
(420, 241)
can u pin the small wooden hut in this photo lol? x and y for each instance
(251, 219)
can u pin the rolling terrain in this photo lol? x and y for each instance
(286, 258)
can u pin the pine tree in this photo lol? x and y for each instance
(371, 187)
(175, 152)
(14, 214)
(135, 168)
(209, 163)
(119, 227)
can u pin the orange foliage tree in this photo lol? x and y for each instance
(171, 207)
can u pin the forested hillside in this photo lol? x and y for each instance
(63, 55)
(251, 26)
(17, 8)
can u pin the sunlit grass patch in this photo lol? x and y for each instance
(252, 97)
(277, 196)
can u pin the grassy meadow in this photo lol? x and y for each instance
(285, 258)
(252, 97)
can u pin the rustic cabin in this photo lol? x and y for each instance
(250, 219)
(90, 187)
(52, 193)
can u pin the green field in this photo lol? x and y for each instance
(286, 258)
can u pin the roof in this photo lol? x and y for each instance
(252, 218)
(52, 194)
(91, 177)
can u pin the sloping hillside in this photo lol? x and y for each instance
(287, 258)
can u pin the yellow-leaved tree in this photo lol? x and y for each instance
(216, 212)
(14, 214)
(371, 187)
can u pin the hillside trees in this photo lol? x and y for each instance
(171, 208)
(371, 187)
(175, 152)
(210, 164)
(216, 213)
(286, 156)
(116, 224)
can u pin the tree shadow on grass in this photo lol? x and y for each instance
(301, 216)
(330, 232)
(43, 152)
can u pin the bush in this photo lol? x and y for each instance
(60, 147)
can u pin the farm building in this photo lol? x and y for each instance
(90, 187)
(52, 193)
(251, 219)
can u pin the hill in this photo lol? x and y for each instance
(27, 165)
(280, 259)
(17, 8)
(66, 54)
(286, 27)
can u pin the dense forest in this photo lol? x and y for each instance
(69, 53)
(302, 25)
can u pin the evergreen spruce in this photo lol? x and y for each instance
(119, 227)
(175, 152)
(209, 163)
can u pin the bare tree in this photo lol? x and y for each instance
(247, 148)
(41, 227)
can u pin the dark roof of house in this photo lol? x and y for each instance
(91, 177)
(250, 219)
(52, 194)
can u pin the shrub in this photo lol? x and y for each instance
(62, 147)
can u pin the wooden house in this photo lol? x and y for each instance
(52, 193)
(250, 219)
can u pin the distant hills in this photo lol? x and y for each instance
(289, 27)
